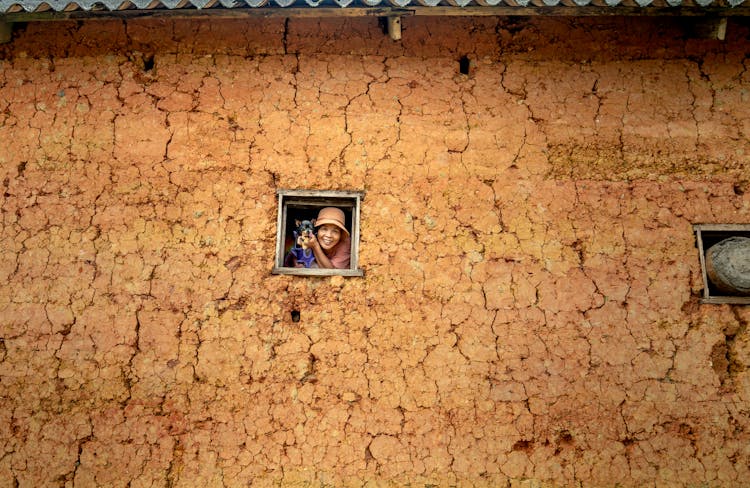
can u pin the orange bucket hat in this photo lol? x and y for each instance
(333, 216)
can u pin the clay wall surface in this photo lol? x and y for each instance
(529, 313)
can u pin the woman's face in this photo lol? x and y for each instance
(328, 236)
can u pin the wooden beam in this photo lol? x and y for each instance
(736, 228)
(576, 11)
(319, 12)
(212, 13)
(317, 271)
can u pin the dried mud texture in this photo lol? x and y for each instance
(529, 314)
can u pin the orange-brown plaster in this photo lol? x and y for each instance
(529, 313)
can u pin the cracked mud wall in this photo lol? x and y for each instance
(529, 314)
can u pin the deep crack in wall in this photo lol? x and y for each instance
(529, 311)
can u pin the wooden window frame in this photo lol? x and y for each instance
(707, 235)
(350, 201)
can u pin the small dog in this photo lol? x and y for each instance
(301, 252)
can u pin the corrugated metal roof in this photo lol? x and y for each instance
(11, 6)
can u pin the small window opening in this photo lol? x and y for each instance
(299, 215)
(148, 62)
(724, 252)
(463, 65)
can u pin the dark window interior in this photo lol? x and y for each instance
(308, 212)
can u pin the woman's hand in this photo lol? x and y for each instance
(320, 255)
(311, 242)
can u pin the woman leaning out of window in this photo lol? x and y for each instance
(332, 246)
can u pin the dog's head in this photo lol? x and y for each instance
(305, 229)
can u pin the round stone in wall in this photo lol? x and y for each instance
(728, 265)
